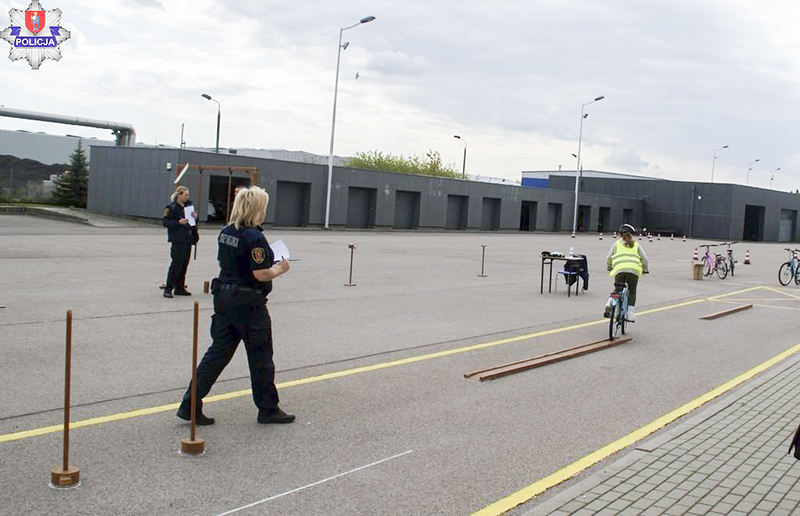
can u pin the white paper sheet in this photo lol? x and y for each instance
(280, 250)
(189, 214)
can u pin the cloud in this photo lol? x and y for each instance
(150, 3)
(388, 62)
(626, 159)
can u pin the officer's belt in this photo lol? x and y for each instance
(241, 288)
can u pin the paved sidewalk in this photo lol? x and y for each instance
(729, 459)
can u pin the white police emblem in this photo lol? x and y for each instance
(35, 34)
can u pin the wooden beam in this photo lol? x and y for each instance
(543, 360)
(723, 313)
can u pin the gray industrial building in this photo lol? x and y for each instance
(136, 182)
(704, 210)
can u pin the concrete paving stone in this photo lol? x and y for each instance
(709, 483)
(609, 497)
(766, 506)
(711, 499)
(723, 507)
(675, 510)
(584, 512)
(572, 506)
(595, 505)
(641, 504)
(700, 509)
(717, 477)
(599, 490)
(757, 512)
(618, 505)
(792, 496)
(787, 505)
(607, 512)
(559, 513)
(732, 499)
(772, 496)
(749, 482)
(630, 512)
(753, 498)
(652, 511)
(663, 503)
(745, 507)
(762, 489)
(631, 496)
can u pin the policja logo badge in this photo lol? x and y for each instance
(28, 37)
(258, 254)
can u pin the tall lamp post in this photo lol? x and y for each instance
(464, 166)
(578, 166)
(219, 115)
(715, 161)
(333, 118)
(749, 168)
(773, 177)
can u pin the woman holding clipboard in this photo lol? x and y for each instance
(182, 235)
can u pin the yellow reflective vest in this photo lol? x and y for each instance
(626, 258)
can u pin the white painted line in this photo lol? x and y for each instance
(314, 484)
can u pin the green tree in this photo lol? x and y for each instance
(72, 186)
(428, 165)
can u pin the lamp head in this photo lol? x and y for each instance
(367, 19)
(345, 45)
(206, 96)
(586, 115)
(456, 136)
(599, 98)
(725, 147)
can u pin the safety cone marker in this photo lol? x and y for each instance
(573, 234)
(684, 238)
(659, 237)
(672, 236)
(601, 235)
(747, 257)
(695, 258)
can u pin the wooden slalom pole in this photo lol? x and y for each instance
(66, 476)
(483, 261)
(350, 283)
(194, 446)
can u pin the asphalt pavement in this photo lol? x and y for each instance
(386, 422)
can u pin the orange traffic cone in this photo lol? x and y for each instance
(747, 257)
(695, 258)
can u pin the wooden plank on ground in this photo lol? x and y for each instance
(543, 360)
(723, 313)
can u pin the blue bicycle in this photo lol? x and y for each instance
(617, 318)
(790, 270)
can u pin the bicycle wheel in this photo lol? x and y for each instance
(623, 321)
(708, 270)
(722, 269)
(613, 325)
(785, 274)
(797, 276)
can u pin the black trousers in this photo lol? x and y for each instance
(176, 276)
(632, 280)
(236, 318)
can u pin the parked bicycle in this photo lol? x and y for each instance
(617, 318)
(731, 260)
(714, 264)
(790, 269)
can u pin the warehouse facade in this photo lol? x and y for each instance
(137, 182)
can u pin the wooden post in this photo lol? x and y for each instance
(483, 261)
(205, 287)
(193, 446)
(66, 476)
(351, 284)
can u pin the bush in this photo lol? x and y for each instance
(429, 165)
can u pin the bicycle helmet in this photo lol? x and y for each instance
(626, 228)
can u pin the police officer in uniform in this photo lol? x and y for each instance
(240, 309)
(182, 236)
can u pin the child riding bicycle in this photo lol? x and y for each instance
(626, 261)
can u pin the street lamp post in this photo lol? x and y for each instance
(333, 118)
(219, 115)
(464, 166)
(773, 177)
(749, 168)
(578, 165)
(715, 161)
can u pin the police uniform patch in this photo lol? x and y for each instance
(166, 211)
(258, 254)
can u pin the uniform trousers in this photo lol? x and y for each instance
(239, 317)
(176, 276)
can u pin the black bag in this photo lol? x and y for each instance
(795, 444)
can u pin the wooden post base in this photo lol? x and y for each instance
(193, 447)
(205, 287)
(70, 477)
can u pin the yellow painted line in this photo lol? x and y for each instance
(782, 292)
(778, 307)
(16, 436)
(540, 486)
(754, 299)
(714, 298)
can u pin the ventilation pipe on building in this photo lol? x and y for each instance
(125, 133)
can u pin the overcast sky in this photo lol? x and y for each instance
(680, 78)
